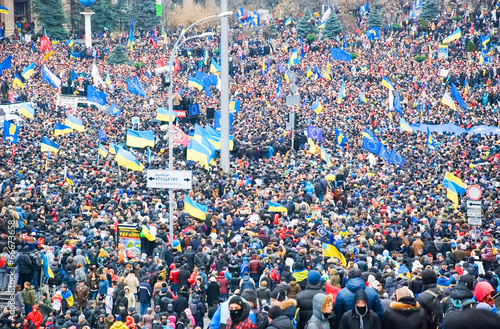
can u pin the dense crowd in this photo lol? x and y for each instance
(410, 259)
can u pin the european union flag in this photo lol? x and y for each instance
(207, 79)
(10, 132)
(194, 109)
(102, 135)
(383, 153)
(397, 104)
(114, 110)
(6, 64)
(135, 87)
(314, 133)
(340, 55)
(95, 95)
(397, 158)
(371, 145)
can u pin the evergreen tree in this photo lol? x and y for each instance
(51, 16)
(307, 25)
(105, 15)
(430, 10)
(374, 19)
(332, 27)
(272, 30)
(144, 13)
(118, 56)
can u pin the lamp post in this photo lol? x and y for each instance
(224, 90)
(179, 41)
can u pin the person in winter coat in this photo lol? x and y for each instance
(35, 316)
(119, 324)
(132, 282)
(345, 297)
(263, 293)
(109, 301)
(28, 297)
(26, 267)
(239, 314)
(198, 310)
(471, 319)
(360, 316)
(322, 306)
(426, 298)
(461, 295)
(44, 305)
(287, 305)
(18, 298)
(294, 288)
(212, 291)
(223, 285)
(405, 313)
(483, 293)
(82, 293)
(148, 318)
(278, 320)
(144, 294)
(130, 297)
(305, 298)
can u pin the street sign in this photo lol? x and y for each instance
(474, 192)
(474, 212)
(174, 179)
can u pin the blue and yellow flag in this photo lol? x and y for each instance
(202, 137)
(324, 155)
(47, 272)
(404, 125)
(341, 94)
(162, 115)
(27, 111)
(28, 71)
(48, 145)
(103, 151)
(240, 13)
(330, 250)
(108, 79)
(362, 97)
(234, 105)
(431, 141)
(128, 160)
(276, 207)
(317, 107)
(70, 43)
(199, 153)
(61, 129)
(387, 83)
(195, 209)
(288, 21)
(214, 66)
(18, 82)
(131, 35)
(193, 82)
(300, 275)
(140, 139)
(454, 36)
(309, 72)
(74, 122)
(452, 181)
(294, 58)
(341, 138)
(114, 110)
(67, 177)
(113, 148)
(10, 132)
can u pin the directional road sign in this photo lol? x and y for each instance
(174, 179)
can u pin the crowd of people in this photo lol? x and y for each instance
(407, 257)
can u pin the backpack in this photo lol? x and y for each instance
(436, 317)
(194, 309)
(456, 305)
(247, 284)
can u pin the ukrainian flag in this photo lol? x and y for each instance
(330, 250)
(48, 145)
(4, 10)
(199, 153)
(466, 83)
(61, 129)
(67, 177)
(387, 83)
(47, 272)
(108, 79)
(70, 43)
(300, 275)
(17, 82)
(195, 209)
(362, 97)
(131, 35)
(309, 72)
(327, 75)
(214, 67)
(431, 141)
(276, 207)
(452, 195)
(128, 160)
(317, 107)
(288, 21)
(103, 151)
(74, 122)
(27, 111)
(324, 155)
(113, 148)
(486, 39)
(240, 13)
(312, 146)
(176, 244)
(28, 71)
(193, 82)
(454, 36)
(447, 100)
(453, 181)
(162, 115)
(404, 125)
(341, 138)
(140, 139)
(202, 137)
(294, 58)
(68, 297)
(368, 134)
(341, 94)
(321, 24)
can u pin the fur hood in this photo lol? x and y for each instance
(403, 307)
(287, 303)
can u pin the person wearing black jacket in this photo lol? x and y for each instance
(25, 267)
(430, 291)
(305, 298)
(405, 313)
(360, 312)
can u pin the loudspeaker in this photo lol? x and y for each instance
(210, 112)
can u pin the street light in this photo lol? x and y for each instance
(180, 41)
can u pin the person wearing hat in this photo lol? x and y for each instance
(278, 320)
(461, 296)
(322, 308)
(345, 297)
(118, 323)
(287, 305)
(44, 305)
(404, 313)
(145, 293)
(305, 298)
(238, 314)
(360, 316)
(430, 291)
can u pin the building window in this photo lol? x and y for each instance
(20, 11)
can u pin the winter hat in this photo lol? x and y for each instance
(118, 318)
(278, 294)
(274, 312)
(236, 300)
(468, 281)
(50, 319)
(313, 278)
(354, 273)
(429, 276)
(82, 316)
(249, 295)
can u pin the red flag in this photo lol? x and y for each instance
(161, 62)
(180, 137)
(177, 66)
(45, 43)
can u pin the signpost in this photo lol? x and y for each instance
(174, 179)
(474, 212)
(291, 101)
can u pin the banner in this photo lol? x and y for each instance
(443, 52)
(158, 8)
(130, 236)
